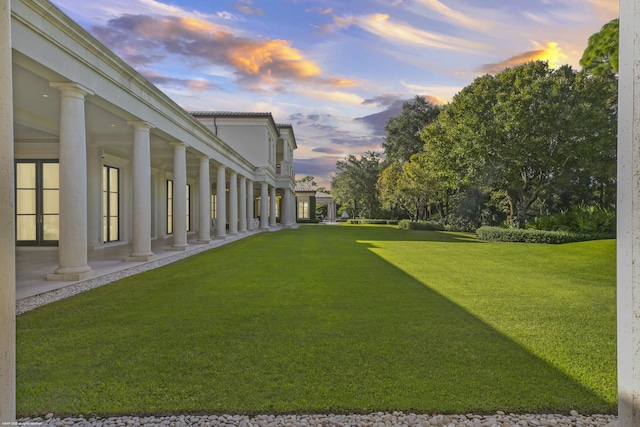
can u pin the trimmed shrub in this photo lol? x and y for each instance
(405, 224)
(308, 221)
(372, 221)
(499, 234)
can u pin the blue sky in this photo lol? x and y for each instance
(323, 65)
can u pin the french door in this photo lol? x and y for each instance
(37, 202)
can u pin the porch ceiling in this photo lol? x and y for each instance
(36, 119)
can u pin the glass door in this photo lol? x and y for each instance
(37, 202)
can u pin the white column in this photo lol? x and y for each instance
(204, 228)
(233, 203)
(628, 216)
(292, 207)
(242, 216)
(264, 206)
(286, 203)
(94, 196)
(250, 223)
(7, 226)
(221, 203)
(272, 208)
(141, 200)
(179, 196)
(72, 246)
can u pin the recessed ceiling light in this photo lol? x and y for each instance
(45, 96)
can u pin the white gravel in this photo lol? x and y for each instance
(378, 419)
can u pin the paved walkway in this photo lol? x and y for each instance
(33, 264)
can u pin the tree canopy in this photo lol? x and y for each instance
(403, 131)
(522, 131)
(601, 55)
(354, 186)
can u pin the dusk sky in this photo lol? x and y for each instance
(328, 67)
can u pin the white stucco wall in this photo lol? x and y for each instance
(7, 236)
(628, 216)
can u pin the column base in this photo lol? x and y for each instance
(178, 247)
(71, 274)
(203, 241)
(140, 257)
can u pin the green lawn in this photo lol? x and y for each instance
(335, 319)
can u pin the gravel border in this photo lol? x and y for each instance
(499, 419)
(29, 303)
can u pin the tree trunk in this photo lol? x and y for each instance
(522, 215)
(512, 208)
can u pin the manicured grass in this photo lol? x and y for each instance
(335, 319)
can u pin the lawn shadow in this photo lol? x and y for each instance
(339, 330)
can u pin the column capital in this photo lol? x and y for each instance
(72, 87)
(178, 144)
(203, 157)
(141, 124)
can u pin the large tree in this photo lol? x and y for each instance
(355, 184)
(601, 55)
(403, 131)
(523, 131)
(412, 186)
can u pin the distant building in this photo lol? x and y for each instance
(307, 199)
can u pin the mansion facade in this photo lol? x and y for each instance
(103, 157)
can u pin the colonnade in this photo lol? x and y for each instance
(74, 201)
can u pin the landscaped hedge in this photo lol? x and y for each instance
(405, 224)
(498, 234)
(372, 221)
(307, 221)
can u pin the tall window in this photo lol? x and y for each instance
(110, 203)
(303, 209)
(169, 206)
(37, 202)
(213, 206)
(188, 207)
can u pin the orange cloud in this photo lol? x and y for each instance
(550, 53)
(252, 58)
(142, 40)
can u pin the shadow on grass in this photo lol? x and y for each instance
(315, 322)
